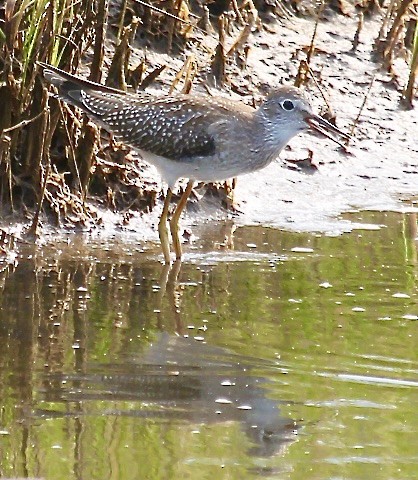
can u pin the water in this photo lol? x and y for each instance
(290, 356)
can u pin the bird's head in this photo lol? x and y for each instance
(288, 111)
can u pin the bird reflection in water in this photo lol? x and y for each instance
(177, 378)
(182, 379)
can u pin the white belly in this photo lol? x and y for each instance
(202, 169)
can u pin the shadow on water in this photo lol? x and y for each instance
(286, 353)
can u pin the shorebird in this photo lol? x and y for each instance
(199, 138)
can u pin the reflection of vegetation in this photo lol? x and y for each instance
(61, 315)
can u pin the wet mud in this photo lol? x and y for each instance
(379, 171)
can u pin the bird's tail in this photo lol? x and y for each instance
(70, 86)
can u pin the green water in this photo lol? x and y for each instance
(257, 362)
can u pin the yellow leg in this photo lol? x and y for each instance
(174, 222)
(162, 227)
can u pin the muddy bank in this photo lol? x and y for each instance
(380, 171)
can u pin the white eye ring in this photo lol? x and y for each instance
(287, 105)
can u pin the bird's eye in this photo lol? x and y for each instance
(288, 105)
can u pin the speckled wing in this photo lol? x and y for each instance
(176, 127)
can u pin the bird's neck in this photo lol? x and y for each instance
(268, 138)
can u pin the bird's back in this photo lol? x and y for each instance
(175, 127)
